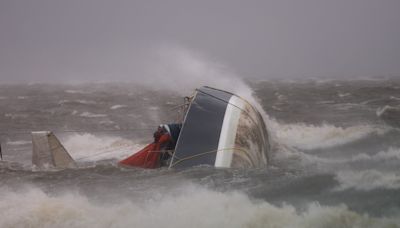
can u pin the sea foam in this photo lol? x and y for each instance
(368, 179)
(310, 137)
(195, 206)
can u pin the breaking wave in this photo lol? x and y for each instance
(368, 180)
(391, 153)
(386, 108)
(193, 205)
(310, 137)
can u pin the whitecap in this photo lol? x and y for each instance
(86, 102)
(341, 95)
(381, 110)
(118, 107)
(390, 154)
(16, 116)
(63, 101)
(368, 179)
(76, 92)
(326, 102)
(309, 137)
(194, 206)
(77, 101)
(106, 122)
(154, 108)
(92, 115)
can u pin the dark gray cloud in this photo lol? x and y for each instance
(78, 40)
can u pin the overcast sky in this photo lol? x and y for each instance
(72, 40)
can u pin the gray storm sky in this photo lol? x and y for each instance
(54, 40)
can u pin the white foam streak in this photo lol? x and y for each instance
(390, 154)
(380, 111)
(368, 179)
(92, 115)
(118, 107)
(16, 116)
(194, 207)
(86, 102)
(309, 137)
(76, 92)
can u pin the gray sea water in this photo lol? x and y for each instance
(334, 163)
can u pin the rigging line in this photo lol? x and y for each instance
(158, 151)
(95, 155)
(81, 130)
(205, 153)
(109, 151)
(179, 106)
(109, 130)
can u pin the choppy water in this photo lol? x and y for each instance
(335, 159)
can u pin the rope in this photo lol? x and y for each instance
(171, 153)
(113, 150)
(97, 154)
(205, 153)
(94, 155)
(77, 131)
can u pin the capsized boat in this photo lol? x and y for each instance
(220, 129)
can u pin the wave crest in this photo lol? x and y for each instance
(368, 180)
(310, 137)
(194, 207)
